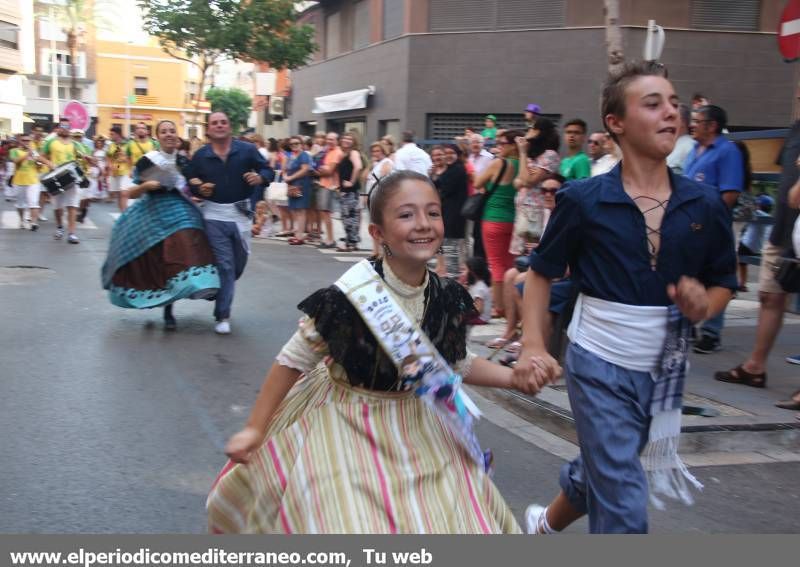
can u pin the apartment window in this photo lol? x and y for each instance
(63, 64)
(361, 33)
(392, 18)
(726, 15)
(46, 92)
(46, 30)
(9, 35)
(333, 34)
(140, 86)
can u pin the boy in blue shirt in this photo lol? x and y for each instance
(650, 251)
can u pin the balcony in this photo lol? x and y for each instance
(64, 70)
(144, 100)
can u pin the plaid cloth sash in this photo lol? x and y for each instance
(667, 474)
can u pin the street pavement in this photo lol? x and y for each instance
(112, 425)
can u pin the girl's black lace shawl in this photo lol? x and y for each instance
(448, 306)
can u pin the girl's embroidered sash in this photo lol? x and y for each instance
(419, 364)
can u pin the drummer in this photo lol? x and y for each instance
(60, 150)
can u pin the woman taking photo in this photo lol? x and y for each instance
(452, 187)
(159, 252)
(349, 170)
(298, 177)
(497, 222)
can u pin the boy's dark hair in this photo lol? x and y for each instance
(478, 269)
(577, 122)
(386, 187)
(612, 100)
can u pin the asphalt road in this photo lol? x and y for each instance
(112, 425)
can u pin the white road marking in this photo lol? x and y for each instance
(10, 220)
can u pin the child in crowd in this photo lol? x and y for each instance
(337, 441)
(754, 235)
(264, 218)
(479, 282)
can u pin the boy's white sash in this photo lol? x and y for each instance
(419, 365)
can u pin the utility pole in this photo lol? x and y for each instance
(616, 56)
(53, 66)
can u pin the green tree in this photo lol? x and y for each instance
(205, 32)
(233, 102)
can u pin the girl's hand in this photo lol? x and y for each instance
(347, 184)
(522, 145)
(241, 446)
(690, 297)
(535, 370)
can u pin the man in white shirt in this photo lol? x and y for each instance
(602, 161)
(684, 143)
(411, 156)
(478, 156)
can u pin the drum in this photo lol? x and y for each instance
(62, 178)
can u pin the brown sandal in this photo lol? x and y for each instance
(741, 376)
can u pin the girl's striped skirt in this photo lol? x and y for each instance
(338, 459)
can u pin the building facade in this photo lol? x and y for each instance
(52, 56)
(438, 66)
(140, 83)
(16, 53)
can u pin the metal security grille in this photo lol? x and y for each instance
(726, 14)
(528, 14)
(392, 18)
(448, 126)
(466, 15)
(462, 15)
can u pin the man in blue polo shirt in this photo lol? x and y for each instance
(715, 161)
(224, 174)
(650, 252)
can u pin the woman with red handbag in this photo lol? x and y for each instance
(298, 170)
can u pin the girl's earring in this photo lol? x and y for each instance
(440, 251)
(386, 250)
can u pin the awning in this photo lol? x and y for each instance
(349, 100)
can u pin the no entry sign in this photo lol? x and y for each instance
(789, 31)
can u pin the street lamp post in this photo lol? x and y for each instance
(128, 88)
(53, 66)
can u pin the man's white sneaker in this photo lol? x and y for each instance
(42, 218)
(222, 328)
(73, 239)
(533, 519)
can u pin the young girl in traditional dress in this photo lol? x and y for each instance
(159, 252)
(337, 442)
